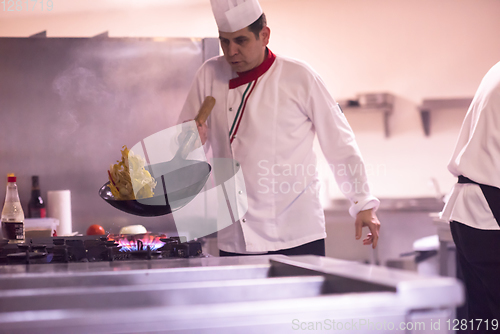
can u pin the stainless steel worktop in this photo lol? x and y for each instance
(264, 294)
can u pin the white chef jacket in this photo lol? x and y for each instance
(477, 156)
(280, 107)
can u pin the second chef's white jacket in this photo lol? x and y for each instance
(266, 120)
(477, 156)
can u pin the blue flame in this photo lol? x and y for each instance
(132, 246)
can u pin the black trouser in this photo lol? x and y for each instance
(478, 262)
(312, 248)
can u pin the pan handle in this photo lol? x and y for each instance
(205, 110)
(187, 143)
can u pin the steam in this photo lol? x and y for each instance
(80, 84)
(82, 93)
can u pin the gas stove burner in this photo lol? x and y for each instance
(27, 257)
(23, 253)
(32, 247)
(137, 242)
(147, 254)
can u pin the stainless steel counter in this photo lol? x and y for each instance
(258, 294)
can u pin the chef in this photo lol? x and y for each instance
(268, 110)
(473, 207)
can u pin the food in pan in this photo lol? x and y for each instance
(128, 179)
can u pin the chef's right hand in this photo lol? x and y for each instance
(202, 131)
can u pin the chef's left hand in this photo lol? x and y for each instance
(367, 218)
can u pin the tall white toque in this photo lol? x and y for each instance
(234, 15)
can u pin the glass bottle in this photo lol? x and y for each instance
(36, 205)
(12, 213)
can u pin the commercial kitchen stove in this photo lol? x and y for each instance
(111, 247)
(251, 294)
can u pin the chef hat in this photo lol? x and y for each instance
(233, 15)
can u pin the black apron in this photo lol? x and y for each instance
(492, 195)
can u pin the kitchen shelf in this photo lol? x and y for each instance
(368, 103)
(429, 105)
(41, 34)
(410, 204)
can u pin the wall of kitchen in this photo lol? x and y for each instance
(413, 49)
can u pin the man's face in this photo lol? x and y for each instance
(242, 50)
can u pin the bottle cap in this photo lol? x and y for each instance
(34, 181)
(11, 177)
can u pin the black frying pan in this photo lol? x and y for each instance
(178, 180)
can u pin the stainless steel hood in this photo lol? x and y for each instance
(264, 294)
